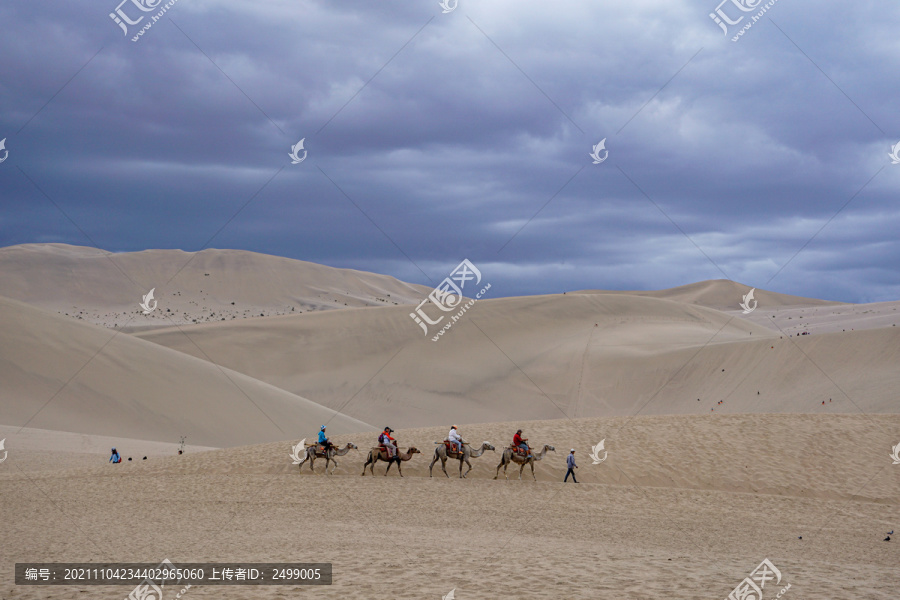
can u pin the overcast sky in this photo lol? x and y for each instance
(434, 137)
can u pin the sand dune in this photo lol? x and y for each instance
(698, 488)
(190, 287)
(60, 374)
(47, 450)
(683, 507)
(558, 356)
(831, 456)
(827, 319)
(721, 294)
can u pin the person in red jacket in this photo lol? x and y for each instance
(388, 442)
(521, 443)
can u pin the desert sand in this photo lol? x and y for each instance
(106, 288)
(728, 438)
(550, 357)
(682, 507)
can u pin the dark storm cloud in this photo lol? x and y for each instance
(457, 134)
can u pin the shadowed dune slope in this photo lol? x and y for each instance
(547, 357)
(77, 377)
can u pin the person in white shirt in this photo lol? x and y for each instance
(455, 439)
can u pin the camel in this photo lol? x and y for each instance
(467, 452)
(509, 455)
(312, 454)
(379, 453)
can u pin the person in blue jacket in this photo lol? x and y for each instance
(115, 458)
(323, 439)
(570, 462)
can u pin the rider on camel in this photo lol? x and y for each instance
(324, 441)
(456, 441)
(521, 443)
(388, 442)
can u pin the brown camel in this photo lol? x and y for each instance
(379, 453)
(441, 453)
(314, 451)
(509, 455)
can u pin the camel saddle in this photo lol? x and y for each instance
(519, 451)
(319, 449)
(450, 449)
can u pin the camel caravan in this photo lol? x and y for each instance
(452, 448)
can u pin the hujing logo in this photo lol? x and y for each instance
(895, 153)
(6, 152)
(751, 588)
(121, 19)
(721, 18)
(748, 297)
(146, 303)
(895, 455)
(596, 153)
(448, 5)
(296, 159)
(5, 452)
(596, 450)
(151, 588)
(295, 452)
(448, 296)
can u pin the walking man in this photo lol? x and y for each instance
(570, 462)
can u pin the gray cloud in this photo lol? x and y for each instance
(454, 145)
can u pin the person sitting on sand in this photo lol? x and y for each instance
(323, 440)
(521, 443)
(387, 441)
(455, 439)
(115, 458)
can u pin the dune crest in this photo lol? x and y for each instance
(106, 288)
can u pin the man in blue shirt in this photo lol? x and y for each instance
(323, 440)
(115, 458)
(570, 462)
